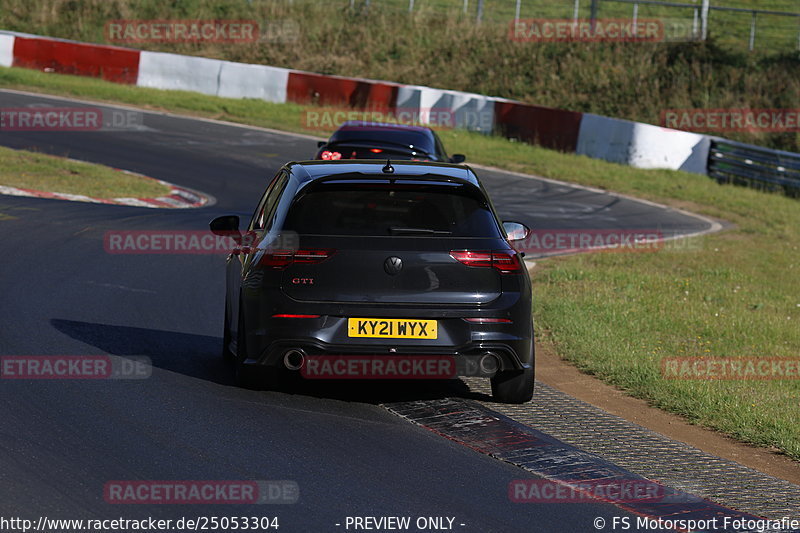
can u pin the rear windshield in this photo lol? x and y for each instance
(396, 136)
(396, 209)
(345, 151)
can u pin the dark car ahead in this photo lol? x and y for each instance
(378, 264)
(379, 140)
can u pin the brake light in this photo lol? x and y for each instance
(502, 260)
(375, 150)
(280, 259)
(327, 155)
(476, 259)
(506, 262)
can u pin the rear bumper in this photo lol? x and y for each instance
(510, 343)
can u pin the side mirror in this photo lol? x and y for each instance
(516, 231)
(458, 158)
(320, 144)
(226, 226)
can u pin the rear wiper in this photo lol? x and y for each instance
(394, 230)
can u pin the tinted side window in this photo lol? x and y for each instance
(260, 206)
(266, 209)
(441, 154)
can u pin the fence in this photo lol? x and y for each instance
(746, 164)
(773, 26)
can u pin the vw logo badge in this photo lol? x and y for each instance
(393, 265)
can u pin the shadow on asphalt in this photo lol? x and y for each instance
(199, 356)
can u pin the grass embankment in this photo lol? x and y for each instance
(735, 294)
(440, 48)
(42, 172)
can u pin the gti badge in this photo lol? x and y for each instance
(393, 265)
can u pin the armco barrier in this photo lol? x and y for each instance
(467, 110)
(551, 128)
(642, 145)
(176, 72)
(6, 50)
(111, 63)
(309, 88)
(733, 162)
(241, 80)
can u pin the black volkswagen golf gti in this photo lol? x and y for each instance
(378, 262)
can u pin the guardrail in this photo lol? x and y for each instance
(684, 19)
(703, 12)
(747, 164)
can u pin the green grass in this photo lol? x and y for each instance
(732, 294)
(730, 28)
(41, 172)
(444, 49)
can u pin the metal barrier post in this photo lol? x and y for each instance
(704, 18)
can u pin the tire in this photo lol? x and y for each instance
(513, 387)
(253, 377)
(243, 375)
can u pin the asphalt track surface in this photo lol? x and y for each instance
(62, 294)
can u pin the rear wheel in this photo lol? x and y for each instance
(513, 386)
(254, 377)
(244, 375)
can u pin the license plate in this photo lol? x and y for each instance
(392, 328)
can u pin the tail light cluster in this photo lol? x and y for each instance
(502, 260)
(329, 155)
(280, 259)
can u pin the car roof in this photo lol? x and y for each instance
(307, 171)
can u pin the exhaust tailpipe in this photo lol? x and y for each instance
(294, 359)
(489, 363)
